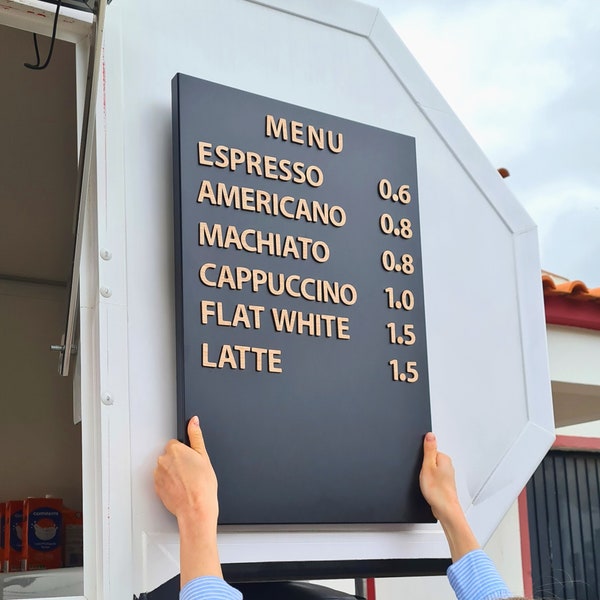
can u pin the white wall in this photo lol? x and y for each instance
(591, 429)
(574, 356)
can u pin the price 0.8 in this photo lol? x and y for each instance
(386, 192)
(405, 265)
(409, 374)
(402, 228)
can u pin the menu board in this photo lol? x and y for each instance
(300, 321)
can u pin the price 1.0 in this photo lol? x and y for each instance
(408, 375)
(406, 300)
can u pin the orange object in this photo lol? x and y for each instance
(13, 536)
(43, 529)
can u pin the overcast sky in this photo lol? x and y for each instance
(524, 78)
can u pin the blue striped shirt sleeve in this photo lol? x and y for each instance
(208, 588)
(474, 577)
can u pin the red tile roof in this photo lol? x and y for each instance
(570, 303)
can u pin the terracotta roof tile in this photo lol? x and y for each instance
(570, 303)
(576, 290)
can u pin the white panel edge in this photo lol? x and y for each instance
(346, 15)
(117, 505)
(450, 129)
(536, 438)
(423, 541)
(477, 166)
(506, 482)
(404, 66)
(533, 330)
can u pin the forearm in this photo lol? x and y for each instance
(459, 535)
(199, 555)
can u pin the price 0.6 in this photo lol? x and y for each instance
(387, 192)
(404, 265)
(401, 229)
(409, 374)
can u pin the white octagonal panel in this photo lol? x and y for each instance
(489, 383)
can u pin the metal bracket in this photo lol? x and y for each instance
(61, 348)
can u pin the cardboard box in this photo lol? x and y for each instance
(13, 535)
(73, 537)
(43, 529)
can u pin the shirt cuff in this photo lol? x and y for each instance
(209, 588)
(474, 577)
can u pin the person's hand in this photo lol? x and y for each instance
(438, 487)
(185, 480)
(437, 480)
(186, 483)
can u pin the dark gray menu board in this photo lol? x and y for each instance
(299, 308)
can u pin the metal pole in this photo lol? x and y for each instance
(360, 588)
(85, 159)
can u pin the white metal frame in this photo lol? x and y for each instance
(77, 27)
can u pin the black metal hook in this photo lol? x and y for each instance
(38, 66)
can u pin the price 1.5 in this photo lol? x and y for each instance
(408, 337)
(408, 374)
